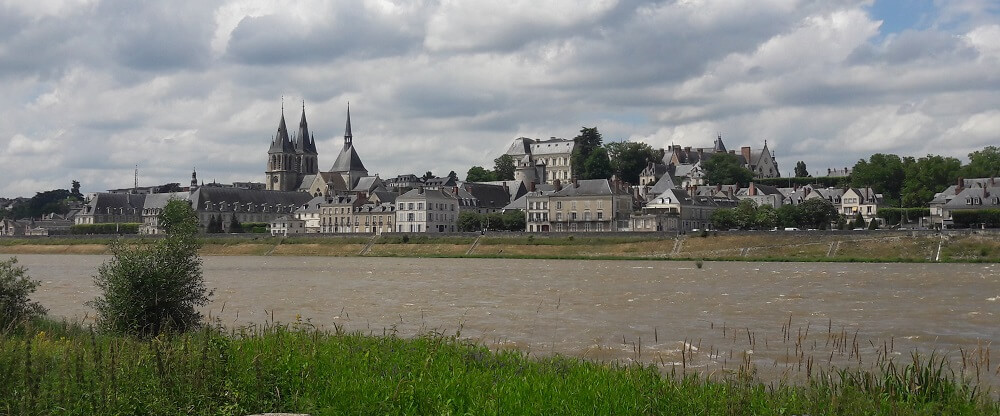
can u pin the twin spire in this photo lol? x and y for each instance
(304, 141)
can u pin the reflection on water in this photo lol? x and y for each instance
(786, 318)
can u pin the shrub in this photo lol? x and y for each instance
(15, 288)
(106, 228)
(148, 289)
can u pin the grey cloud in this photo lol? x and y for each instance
(352, 33)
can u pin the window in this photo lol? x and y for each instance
(573, 205)
(558, 216)
(409, 206)
(600, 215)
(420, 206)
(600, 204)
(600, 226)
(572, 216)
(586, 216)
(558, 204)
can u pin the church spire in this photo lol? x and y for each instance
(302, 139)
(348, 137)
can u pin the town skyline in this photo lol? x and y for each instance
(99, 87)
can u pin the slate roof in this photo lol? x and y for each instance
(368, 184)
(662, 185)
(552, 146)
(348, 160)
(237, 195)
(983, 196)
(385, 196)
(488, 196)
(585, 187)
(158, 201)
(312, 205)
(281, 143)
(103, 202)
(445, 181)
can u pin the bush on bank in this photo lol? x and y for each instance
(16, 288)
(65, 369)
(121, 228)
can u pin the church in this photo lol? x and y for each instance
(292, 161)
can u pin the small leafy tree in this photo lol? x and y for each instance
(234, 225)
(15, 288)
(147, 289)
(504, 167)
(800, 170)
(479, 174)
(469, 221)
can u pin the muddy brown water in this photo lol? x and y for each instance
(777, 316)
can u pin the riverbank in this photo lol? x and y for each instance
(878, 246)
(53, 367)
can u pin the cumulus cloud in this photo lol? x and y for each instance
(97, 87)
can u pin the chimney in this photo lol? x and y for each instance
(575, 184)
(732, 152)
(531, 186)
(752, 191)
(701, 154)
(456, 191)
(558, 185)
(745, 151)
(420, 190)
(959, 186)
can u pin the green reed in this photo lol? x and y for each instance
(66, 369)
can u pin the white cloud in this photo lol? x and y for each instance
(443, 85)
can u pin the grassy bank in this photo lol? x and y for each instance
(883, 246)
(63, 369)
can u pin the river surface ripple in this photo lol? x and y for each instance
(778, 316)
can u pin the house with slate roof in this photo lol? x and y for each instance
(112, 208)
(973, 194)
(426, 210)
(542, 161)
(863, 200)
(589, 205)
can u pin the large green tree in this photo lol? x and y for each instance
(817, 213)
(725, 169)
(927, 176)
(479, 174)
(586, 143)
(983, 163)
(597, 165)
(882, 172)
(628, 159)
(504, 167)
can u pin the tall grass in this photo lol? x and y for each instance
(58, 368)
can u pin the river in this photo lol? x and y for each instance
(778, 316)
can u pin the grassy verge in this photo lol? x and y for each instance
(54, 368)
(888, 247)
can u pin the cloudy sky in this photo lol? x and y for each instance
(92, 88)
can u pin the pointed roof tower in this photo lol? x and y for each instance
(719, 146)
(348, 159)
(281, 143)
(303, 144)
(348, 137)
